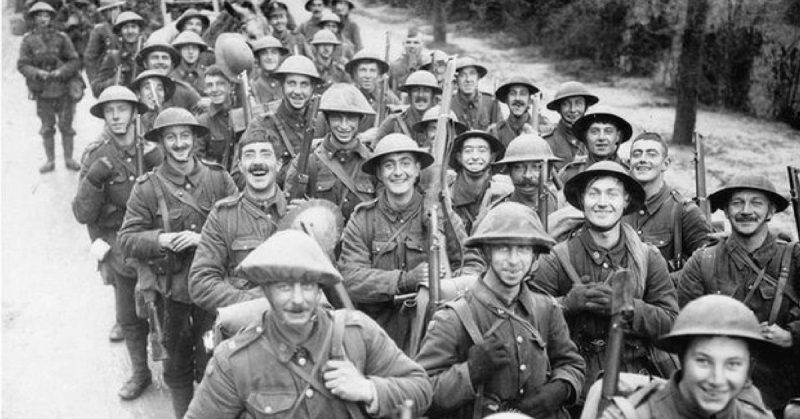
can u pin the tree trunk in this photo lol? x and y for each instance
(689, 69)
(440, 21)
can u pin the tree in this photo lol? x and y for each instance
(440, 21)
(689, 68)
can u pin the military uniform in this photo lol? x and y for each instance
(101, 39)
(511, 127)
(192, 75)
(564, 144)
(580, 164)
(218, 145)
(236, 226)
(478, 112)
(351, 32)
(123, 55)
(308, 28)
(403, 67)
(726, 269)
(77, 22)
(295, 42)
(469, 201)
(400, 123)
(390, 99)
(333, 72)
(265, 87)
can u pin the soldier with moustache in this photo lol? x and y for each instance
(165, 214)
(349, 29)
(311, 26)
(294, 42)
(601, 133)
(108, 173)
(517, 93)
(368, 70)
(571, 101)
(269, 53)
(121, 60)
(476, 109)
(422, 89)
(330, 65)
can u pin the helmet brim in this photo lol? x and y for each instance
(719, 199)
(97, 109)
(574, 188)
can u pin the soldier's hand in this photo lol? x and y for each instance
(483, 360)
(777, 335)
(294, 203)
(184, 240)
(598, 298)
(411, 280)
(613, 412)
(203, 105)
(41, 74)
(347, 383)
(575, 300)
(100, 171)
(548, 399)
(165, 240)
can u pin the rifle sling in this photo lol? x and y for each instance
(163, 210)
(785, 260)
(403, 126)
(562, 254)
(340, 173)
(282, 134)
(781, 287)
(677, 236)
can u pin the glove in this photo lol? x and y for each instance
(484, 359)
(547, 400)
(598, 299)
(41, 74)
(409, 281)
(100, 172)
(575, 300)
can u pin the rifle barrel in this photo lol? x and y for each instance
(794, 189)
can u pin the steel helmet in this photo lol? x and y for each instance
(349, 3)
(501, 93)
(396, 143)
(569, 89)
(573, 189)
(365, 56)
(104, 5)
(421, 78)
(712, 315)
(288, 255)
(464, 62)
(232, 54)
(344, 97)
(169, 85)
(41, 7)
(298, 64)
(153, 45)
(325, 36)
(432, 115)
(582, 125)
(432, 57)
(188, 14)
(511, 223)
(719, 199)
(308, 4)
(266, 42)
(497, 146)
(327, 17)
(189, 38)
(171, 117)
(116, 94)
(528, 147)
(126, 17)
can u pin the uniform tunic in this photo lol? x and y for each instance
(101, 39)
(402, 123)
(350, 31)
(512, 127)
(105, 75)
(477, 112)
(191, 74)
(541, 351)
(236, 226)
(390, 99)
(721, 269)
(564, 144)
(265, 88)
(332, 72)
(217, 146)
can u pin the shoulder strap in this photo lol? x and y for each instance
(561, 252)
(282, 134)
(403, 126)
(786, 261)
(163, 210)
(337, 340)
(340, 173)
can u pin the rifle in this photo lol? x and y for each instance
(621, 317)
(165, 16)
(118, 75)
(300, 182)
(701, 196)
(428, 299)
(794, 188)
(383, 87)
(542, 204)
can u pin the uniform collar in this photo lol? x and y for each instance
(517, 122)
(284, 348)
(497, 304)
(567, 132)
(289, 113)
(123, 151)
(463, 193)
(687, 409)
(276, 203)
(409, 211)
(334, 147)
(598, 255)
(474, 101)
(173, 175)
(654, 202)
(761, 256)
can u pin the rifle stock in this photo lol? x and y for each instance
(794, 188)
(381, 114)
(701, 195)
(300, 182)
(621, 316)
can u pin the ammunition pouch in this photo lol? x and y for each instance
(75, 88)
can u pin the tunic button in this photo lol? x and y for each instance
(523, 367)
(193, 226)
(641, 212)
(605, 265)
(522, 391)
(596, 255)
(131, 178)
(500, 311)
(309, 393)
(519, 339)
(267, 409)
(259, 329)
(188, 186)
(640, 232)
(301, 361)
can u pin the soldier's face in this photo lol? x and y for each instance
(42, 19)
(297, 90)
(749, 211)
(475, 155)
(344, 126)
(278, 21)
(316, 7)
(399, 172)
(178, 141)
(151, 92)
(525, 177)
(159, 60)
(421, 98)
(649, 160)
(604, 201)
(430, 132)
(217, 88)
(130, 32)
(519, 99)
(341, 8)
(413, 45)
(331, 26)
(260, 165)
(467, 80)
(715, 369)
(367, 74)
(190, 53)
(602, 139)
(293, 302)
(572, 108)
(511, 263)
(269, 59)
(118, 116)
(325, 51)
(194, 24)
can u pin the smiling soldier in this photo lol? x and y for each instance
(218, 145)
(571, 101)
(601, 133)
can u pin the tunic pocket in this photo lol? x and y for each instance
(271, 404)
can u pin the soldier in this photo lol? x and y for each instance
(435, 61)
(101, 38)
(601, 133)
(425, 129)
(161, 57)
(286, 124)
(411, 60)
(476, 109)
(265, 86)
(349, 29)
(190, 69)
(76, 18)
(383, 245)
(303, 360)
(368, 70)
(331, 22)
(49, 62)
(107, 176)
(422, 88)
(473, 188)
(119, 64)
(311, 26)
(278, 15)
(192, 20)
(674, 225)
(166, 211)
(333, 165)
(503, 345)
(754, 267)
(517, 93)
(718, 340)
(571, 101)
(331, 66)
(218, 145)
(154, 89)
(236, 226)
(577, 270)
